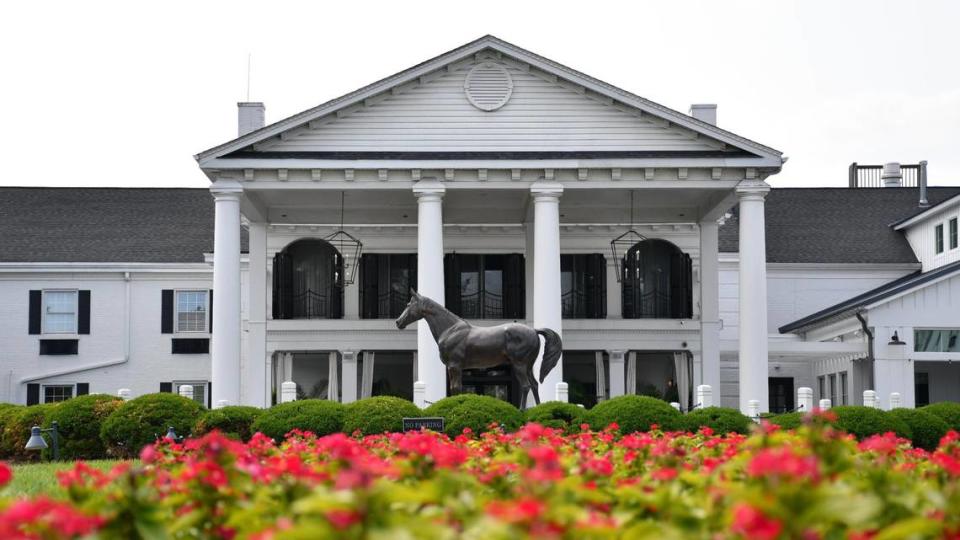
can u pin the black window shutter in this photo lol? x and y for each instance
(451, 282)
(282, 286)
(210, 311)
(369, 293)
(83, 315)
(33, 394)
(166, 311)
(83, 388)
(596, 289)
(627, 287)
(166, 387)
(36, 306)
(209, 395)
(514, 274)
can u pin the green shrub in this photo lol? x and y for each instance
(7, 412)
(317, 416)
(927, 429)
(721, 420)
(634, 413)
(16, 430)
(556, 414)
(474, 412)
(791, 420)
(947, 411)
(866, 421)
(79, 421)
(378, 414)
(139, 422)
(235, 421)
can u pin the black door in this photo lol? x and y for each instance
(495, 382)
(781, 394)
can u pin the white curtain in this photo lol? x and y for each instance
(631, 387)
(681, 365)
(333, 386)
(601, 376)
(366, 379)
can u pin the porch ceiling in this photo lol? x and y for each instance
(381, 206)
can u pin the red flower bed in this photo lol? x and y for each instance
(812, 483)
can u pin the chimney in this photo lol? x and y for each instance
(250, 117)
(891, 176)
(705, 112)
(922, 182)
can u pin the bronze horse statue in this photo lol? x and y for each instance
(464, 346)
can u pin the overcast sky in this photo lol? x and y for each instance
(118, 94)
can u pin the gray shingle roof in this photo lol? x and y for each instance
(837, 225)
(106, 225)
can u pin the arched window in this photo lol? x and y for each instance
(308, 281)
(656, 281)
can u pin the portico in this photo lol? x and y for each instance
(516, 214)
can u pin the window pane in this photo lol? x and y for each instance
(470, 286)
(60, 312)
(950, 340)
(938, 238)
(493, 287)
(191, 311)
(926, 341)
(57, 393)
(953, 233)
(843, 387)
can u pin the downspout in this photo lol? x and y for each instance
(869, 334)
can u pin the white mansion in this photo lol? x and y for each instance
(510, 188)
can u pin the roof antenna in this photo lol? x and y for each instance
(249, 55)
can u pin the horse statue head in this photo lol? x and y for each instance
(416, 309)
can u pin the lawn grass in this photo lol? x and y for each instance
(32, 479)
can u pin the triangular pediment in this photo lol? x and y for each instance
(488, 97)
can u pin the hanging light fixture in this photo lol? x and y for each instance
(620, 245)
(349, 247)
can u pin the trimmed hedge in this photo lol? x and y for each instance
(863, 422)
(379, 414)
(721, 420)
(926, 428)
(474, 412)
(634, 413)
(234, 421)
(16, 430)
(557, 415)
(318, 416)
(79, 421)
(947, 411)
(139, 422)
(791, 420)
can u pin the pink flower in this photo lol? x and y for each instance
(6, 474)
(753, 524)
(783, 462)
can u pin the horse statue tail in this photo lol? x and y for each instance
(551, 351)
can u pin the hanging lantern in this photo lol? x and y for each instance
(620, 246)
(350, 249)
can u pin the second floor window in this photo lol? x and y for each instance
(191, 311)
(385, 283)
(583, 286)
(938, 238)
(657, 281)
(936, 340)
(953, 233)
(60, 312)
(308, 281)
(485, 286)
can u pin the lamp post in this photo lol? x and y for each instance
(36, 441)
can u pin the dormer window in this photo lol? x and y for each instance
(938, 239)
(953, 233)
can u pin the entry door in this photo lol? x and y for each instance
(781, 394)
(495, 382)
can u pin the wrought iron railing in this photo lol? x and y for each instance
(312, 305)
(654, 304)
(481, 304)
(871, 176)
(392, 303)
(577, 304)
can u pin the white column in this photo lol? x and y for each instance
(617, 372)
(348, 391)
(614, 292)
(225, 349)
(351, 299)
(892, 369)
(753, 296)
(709, 305)
(547, 309)
(430, 369)
(255, 373)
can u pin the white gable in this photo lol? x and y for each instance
(436, 114)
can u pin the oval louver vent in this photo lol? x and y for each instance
(488, 86)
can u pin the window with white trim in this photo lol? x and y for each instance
(938, 238)
(199, 390)
(191, 312)
(55, 393)
(936, 340)
(59, 312)
(953, 233)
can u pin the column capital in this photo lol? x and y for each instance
(617, 354)
(348, 356)
(752, 189)
(546, 190)
(226, 189)
(428, 189)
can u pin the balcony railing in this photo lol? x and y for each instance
(871, 176)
